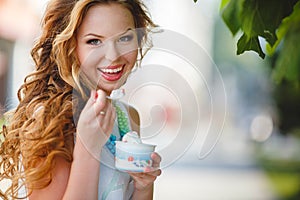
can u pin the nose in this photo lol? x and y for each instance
(112, 52)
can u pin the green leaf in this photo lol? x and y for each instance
(261, 19)
(287, 65)
(286, 24)
(224, 3)
(231, 14)
(195, 1)
(258, 19)
(246, 43)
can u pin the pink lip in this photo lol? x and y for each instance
(112, 76)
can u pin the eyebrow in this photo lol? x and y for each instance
(100, 36)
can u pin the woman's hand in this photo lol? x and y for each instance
(96, 122)
(144, 181)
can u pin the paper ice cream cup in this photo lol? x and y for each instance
(133, 157)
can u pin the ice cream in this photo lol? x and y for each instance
(117, 94)
(132, 137)
(133, 155)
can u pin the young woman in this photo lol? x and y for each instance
(60, 131)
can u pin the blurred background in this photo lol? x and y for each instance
(222, 127)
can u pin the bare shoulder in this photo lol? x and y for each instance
(60, 175)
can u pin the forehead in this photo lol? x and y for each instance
(107, 19)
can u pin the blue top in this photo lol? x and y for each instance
(114, 184)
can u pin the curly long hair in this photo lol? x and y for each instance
(42, 126)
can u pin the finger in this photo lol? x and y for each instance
(135, 175)
(139, 177)
(105, 119)
(92, 99)
(154, 173)
(156, 160)
(95, 103)
(109, 110)
(112, 119)
(100, 102)
(144, 179)
(146, 175)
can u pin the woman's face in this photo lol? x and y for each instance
(107, 45)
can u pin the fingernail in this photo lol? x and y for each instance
(94, 95)
(153, 156)
(147, 169)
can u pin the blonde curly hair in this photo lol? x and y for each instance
(43, 125)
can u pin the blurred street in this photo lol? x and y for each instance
(228, 172)
(186, 182)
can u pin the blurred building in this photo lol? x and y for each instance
(19, 25)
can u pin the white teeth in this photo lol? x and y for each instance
(111, 71)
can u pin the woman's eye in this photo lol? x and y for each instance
(126, 38)
(94, 42)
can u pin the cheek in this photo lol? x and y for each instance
(80, 54)
(82, 60)
(87, 59)
(131, 58)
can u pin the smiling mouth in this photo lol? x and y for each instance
(112, 73)
(112, 70)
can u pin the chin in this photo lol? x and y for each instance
(108, 90)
